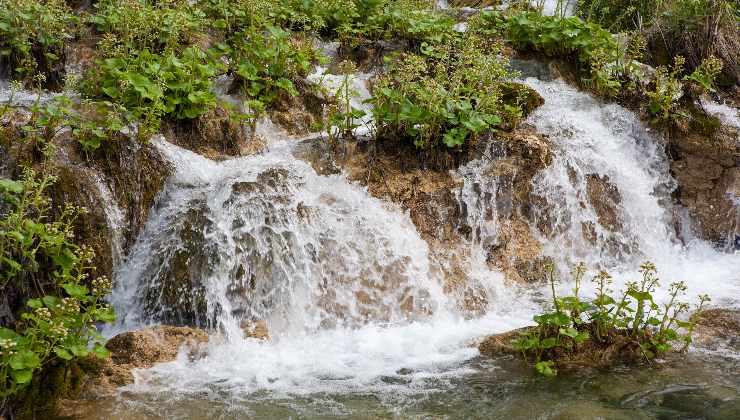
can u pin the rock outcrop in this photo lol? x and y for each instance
(706, 166)
(429, 186)
(133, 350)
(718, 328)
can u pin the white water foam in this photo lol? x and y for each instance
(592, 138)
(307, 354)
(726, 114)
(401, 352)
(359, 93)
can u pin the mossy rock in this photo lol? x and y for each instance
(524, 95)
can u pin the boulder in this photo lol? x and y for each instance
(140, 349)
(605, 199)
(718, 328)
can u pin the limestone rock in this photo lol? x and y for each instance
(140, 350)
(716, 328)
(706, 167)
(605, 200)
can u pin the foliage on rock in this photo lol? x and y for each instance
(630, 325)
(40, 260)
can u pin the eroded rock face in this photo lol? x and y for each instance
(116, 184)
(707, 169)
(125, 178)
(430, 188)
(132, 350)
(605, 200)
(175, 293)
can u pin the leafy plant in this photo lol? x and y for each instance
(575, 325)
(152, 86)
(32, 36)
(449, 96)
(706, 74)
(266, 61)
(129, 26)
(37, 254)
(668, 90)
(599, 54)
(342, 117)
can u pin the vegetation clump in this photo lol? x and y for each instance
(52, 303)
(32, 38)
(608, 328)
(449, 95)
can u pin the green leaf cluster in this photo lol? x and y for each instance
(152, 86)
(632, 315)
(449, 93)
(37, 254)
(32, 35)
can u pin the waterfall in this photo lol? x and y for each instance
(343, 280)
(609, 194)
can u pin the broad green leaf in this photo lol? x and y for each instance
(22, 376)
(75, 290)
(63, 353)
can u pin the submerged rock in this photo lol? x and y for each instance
(605, 199)
(718, 328)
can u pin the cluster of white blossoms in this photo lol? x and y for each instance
(70, 305)
(101, 285)
(7, 346)
(43, 313)
(59, 329)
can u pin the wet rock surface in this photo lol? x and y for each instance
(717, 329)
(605, 200)
(707, 169)
(429, 187)
(177, 296)
(130, 351)
(215, 134)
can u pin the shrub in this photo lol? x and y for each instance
(629, 325)
(129, 26)
(152, 86)
(664, 100)
(32, 37)
(38, 257)
(618, 15)
(410, 20)
(266, 60)
(451, 96)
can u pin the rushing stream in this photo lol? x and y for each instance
(359, 323)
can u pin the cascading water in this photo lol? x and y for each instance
(606, 146)
(344, 281)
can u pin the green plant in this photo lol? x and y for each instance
(100, 123)
(598, 53)
(152, 86)
(342, 117)
(706, 73)
(663, 105)
(266, 60)
(32, 36)
(46, 122)
(605, 324)
(618, 15)
(38, 257)
(129, 26)
(445, 97)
